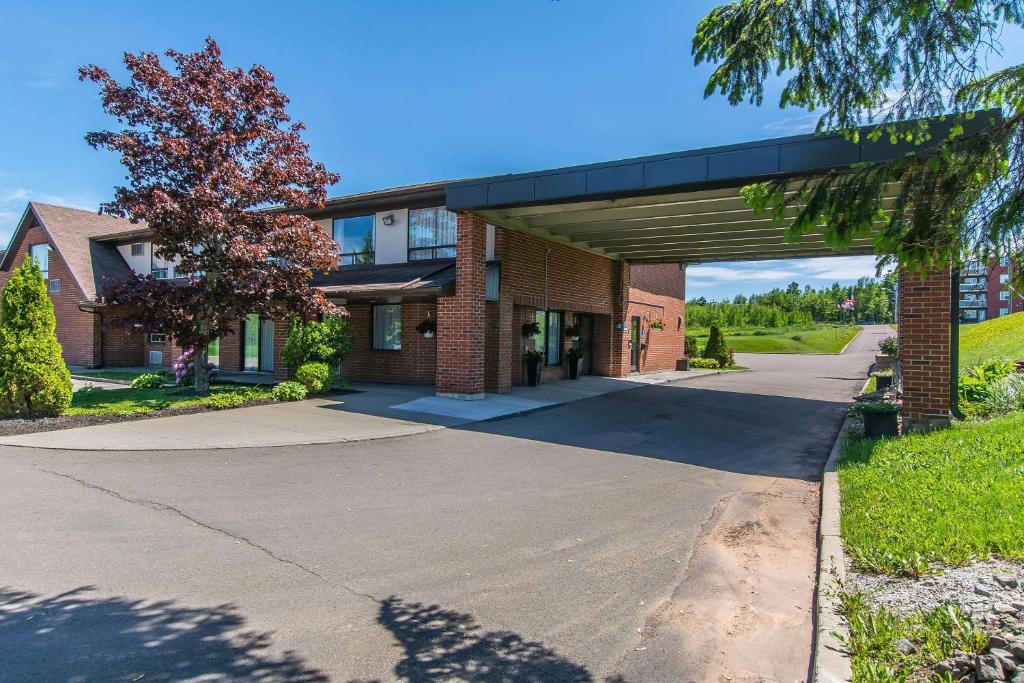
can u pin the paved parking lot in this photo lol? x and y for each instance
(661, 533)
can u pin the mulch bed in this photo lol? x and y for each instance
(29, 425)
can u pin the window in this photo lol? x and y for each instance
(160, 268)
(1004, 278)
(40, 253)
(387, 327)
(493, 282)
(432, 233)
(54, 286)
(138, 249)
(550, 339)
(355, 239)
(1004, 295)
(1004, 311)
(156, 357)
(157, 338)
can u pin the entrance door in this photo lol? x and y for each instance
(586, 324)
(634, 344)
(251, 343)
(257, 344)
(266, 346)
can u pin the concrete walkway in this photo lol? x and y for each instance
(373, 411)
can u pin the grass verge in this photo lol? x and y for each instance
(950, 496)
(141, 401)
(821, 340)
(875, 631)
(996, 338)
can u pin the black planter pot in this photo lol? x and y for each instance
(575, 368)
(881, 424)
(883, 381)
(532, 372)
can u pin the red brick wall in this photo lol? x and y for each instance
(924, 336)
(461, 318)
(77, 331)
(657, 293)
(415, 364)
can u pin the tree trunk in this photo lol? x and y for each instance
(202, 372)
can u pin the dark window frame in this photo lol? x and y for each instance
(432, 249)
(373, 327)
(347, 258)
(543, 336)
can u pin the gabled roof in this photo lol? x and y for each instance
(91, 263)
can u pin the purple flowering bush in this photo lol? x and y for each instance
(185, 368)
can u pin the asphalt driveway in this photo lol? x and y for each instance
(660, 533)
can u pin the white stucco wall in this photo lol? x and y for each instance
(392, 241)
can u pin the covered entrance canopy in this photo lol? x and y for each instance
(686, 207)
(679, 207)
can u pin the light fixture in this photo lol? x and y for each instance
(388, 219)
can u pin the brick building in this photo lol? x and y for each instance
(398, 267)
(985, 291)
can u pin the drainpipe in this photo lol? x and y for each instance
(546, 255)
(954, 342)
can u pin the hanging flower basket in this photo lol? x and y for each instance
(427, 328)
(657, 325)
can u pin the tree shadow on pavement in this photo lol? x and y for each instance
(444, 645)
(81, 637)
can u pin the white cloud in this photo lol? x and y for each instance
(724, 280)
(792, 125)
(13, 201)
(712, 274)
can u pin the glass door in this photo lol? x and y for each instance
(251, 343)
(266, 346)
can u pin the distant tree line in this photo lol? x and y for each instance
(874, 301)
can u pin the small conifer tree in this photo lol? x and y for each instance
(33, 377)
(716, 348)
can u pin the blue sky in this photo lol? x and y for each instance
(401, 92)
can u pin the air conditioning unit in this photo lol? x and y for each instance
(156, 357)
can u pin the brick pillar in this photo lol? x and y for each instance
(618, 355)
(925, 335)
(461, 318)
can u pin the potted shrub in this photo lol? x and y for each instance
(575, 359)
(531, 329)
(427, 328)
(888, 349)
(533, 366)
(880, 419)
(883, 379)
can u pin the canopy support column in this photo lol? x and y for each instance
(926, 347)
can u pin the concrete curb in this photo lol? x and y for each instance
(87, 378)
(831, 661)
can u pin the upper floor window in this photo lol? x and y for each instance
(40, 253)
(138, 249)
(1004, 295)
(160, 268)
(355, 239)
(432, 233)
(1004, 278)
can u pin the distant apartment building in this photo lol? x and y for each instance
(985, 291)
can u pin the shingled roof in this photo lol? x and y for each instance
(91, 263)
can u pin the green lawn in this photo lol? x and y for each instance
(876, 631)
(996, 338)
(820, 340)
(140, 401)
(949, 496)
